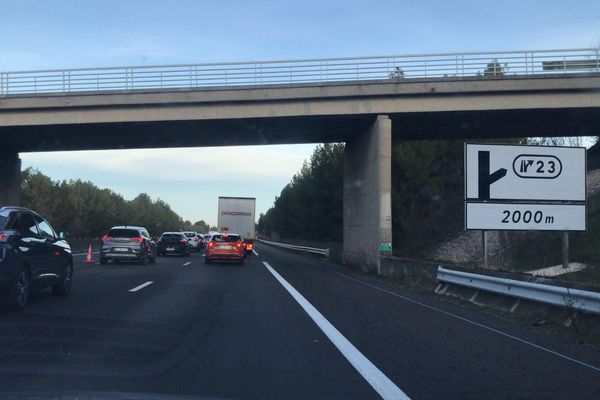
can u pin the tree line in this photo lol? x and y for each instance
(85, 210)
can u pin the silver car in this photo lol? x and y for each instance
(127, 243)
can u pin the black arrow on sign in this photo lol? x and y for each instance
(485, 178)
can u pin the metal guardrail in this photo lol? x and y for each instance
(576, 299)
(399, 67)
(313, 250)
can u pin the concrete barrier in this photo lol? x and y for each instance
(410, 272)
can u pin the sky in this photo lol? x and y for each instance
(50, 34)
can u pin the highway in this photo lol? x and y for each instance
(282, 326)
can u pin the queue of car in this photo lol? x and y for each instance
(33, 256)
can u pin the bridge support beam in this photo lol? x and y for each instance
(10, 179)
(367, 196)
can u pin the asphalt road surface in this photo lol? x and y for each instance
(282, 326)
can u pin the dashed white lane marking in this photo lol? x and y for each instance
(378, 381)
(255, 253)
(187, 263)
(140, 287)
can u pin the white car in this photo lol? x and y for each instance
(206, 238)
(194, 239)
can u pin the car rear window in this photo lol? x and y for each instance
(4, 218)
(171, 236)
(123, 233)
(226, 238)
(190, 234)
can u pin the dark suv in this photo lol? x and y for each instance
(173, 242)
(32, 256)
(127, 243)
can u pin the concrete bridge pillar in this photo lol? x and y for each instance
(368, 196)
(10, 178)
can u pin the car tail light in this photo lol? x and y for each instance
(211, 244)
(183, 241)
(249, 246)
(238, 245)
(4, 237)
(106, 238)
(138, 239)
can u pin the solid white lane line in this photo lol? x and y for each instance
(187, 263)
(143, 285)
(255, 253)
(378, 381)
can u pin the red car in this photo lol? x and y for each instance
(224, 247)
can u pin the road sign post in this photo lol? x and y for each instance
(565, 249)
(484, 251)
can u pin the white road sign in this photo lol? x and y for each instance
(509, 216)
(512, 172)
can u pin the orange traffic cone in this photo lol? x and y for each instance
(89, 259)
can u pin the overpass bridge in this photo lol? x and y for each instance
(365, 102)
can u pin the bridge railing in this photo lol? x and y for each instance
(421, 66)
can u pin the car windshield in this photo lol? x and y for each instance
(226, 238)
(123, 233)
(4, 218)
(171, 236)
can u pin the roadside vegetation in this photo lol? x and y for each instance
(85, 210)
(427, 197)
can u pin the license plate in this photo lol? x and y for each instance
(120, 249)
(170, 248)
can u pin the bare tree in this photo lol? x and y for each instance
(569, 141)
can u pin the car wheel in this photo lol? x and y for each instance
(18, 296)
(64, 288)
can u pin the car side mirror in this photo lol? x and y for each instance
(63, 235)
